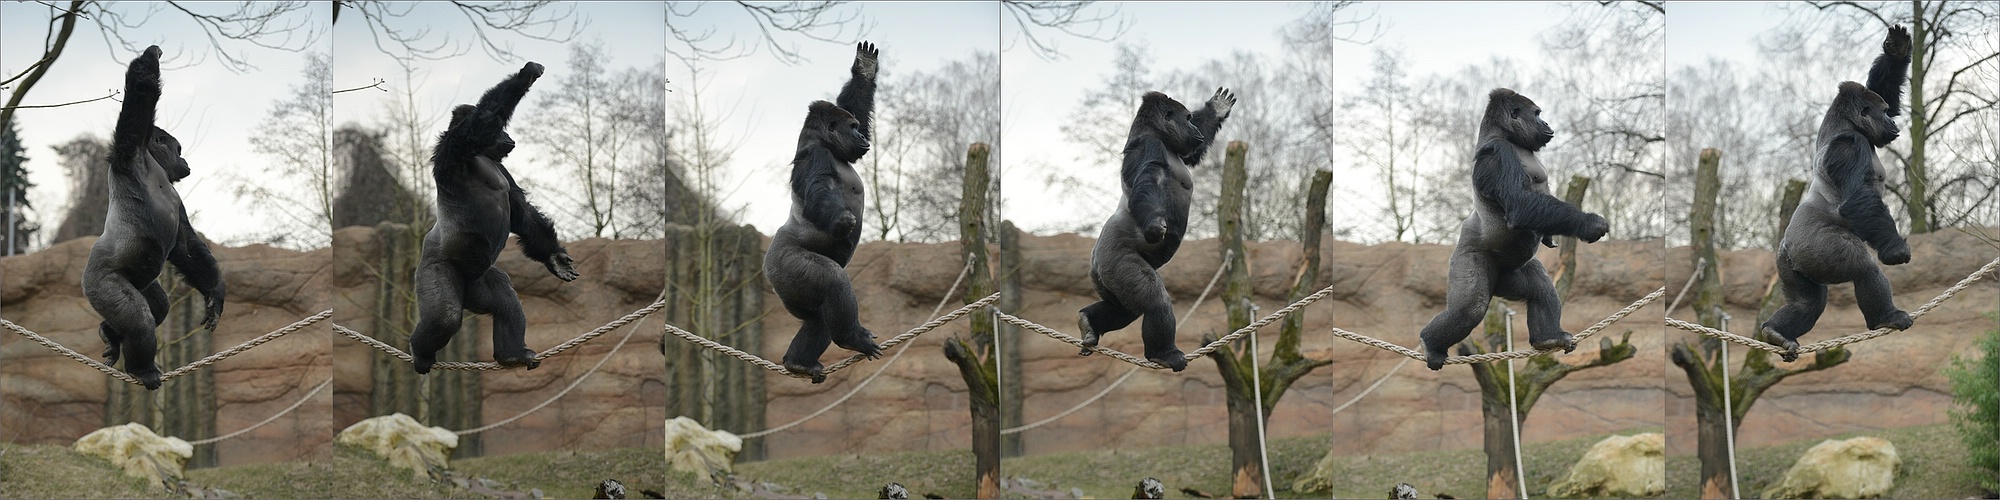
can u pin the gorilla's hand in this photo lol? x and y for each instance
(560, 265)
(211, 310)
(864, 60)
(1898, 42)
(1221, 102)
(1155, 231)
(845, 223)
(1549, 240)
(1895, 253)
(532, 69)
(1594, 226)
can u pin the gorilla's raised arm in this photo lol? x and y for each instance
(818, 186)
(485, 123)
(1145, 176)
(1891, 69)
(1849, 162)
(1208, 120)
(198, 267)
(135, 118)
(1497, 175)
(858, 95)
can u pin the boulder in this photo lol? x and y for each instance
(403, 442)
(1618, 467)
(1319, 480)
(141, 453)
(693, 448)
(1863, 467)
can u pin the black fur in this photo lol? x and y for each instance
(1146, 231)
(808, 256)
(1843, 215)
(145, 228)
(1496, 246)
(478, 204)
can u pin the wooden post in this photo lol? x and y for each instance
(1566, 248)
(975, 359)
(1010, 339)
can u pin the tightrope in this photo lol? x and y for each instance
(1982, 273)
(58, 348)
(1190, 356)
(274, 417)
(766, 364)
(1502, 356)
(493, 366)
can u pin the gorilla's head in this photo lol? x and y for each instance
(1167, 119)
(1866, 112)
(1517, 118)
(835, 129)
(166, 151)
(499, 149)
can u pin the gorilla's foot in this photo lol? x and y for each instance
(422, 362)
(111, 353)
(1790, 346)
(523, 358)
(1174, 359)
(1089, 336)
(1897, 320)
(1567, 342)
(866, 345)
(1434, 358)
(112, 346)
(150, 378)
(814, 370)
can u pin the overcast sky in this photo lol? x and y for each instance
(212, 110)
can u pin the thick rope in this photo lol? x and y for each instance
(492, 366)
(1984, 271)
(766, 364)
(1500, 356)
(273, 418)
(948, 294)
(1192, 355)
(559, 395)
(1692, 277)
(58, 348)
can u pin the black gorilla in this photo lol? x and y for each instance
(808, 255)
(478, 203)
(1152, 216)
(145, 228)
(1842, 215)
(1496, 245)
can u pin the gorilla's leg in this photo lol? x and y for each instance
(1136, 287)
(156, 301)
(494, 294)
(440, 309)
(1877, 301)
(807, 346)
(1104, 316)
(1804, 301)
(816, 290)
(128, 320)
(1470, 288)
(1530, 283)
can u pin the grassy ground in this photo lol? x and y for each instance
(57, 472)
(1933, 465)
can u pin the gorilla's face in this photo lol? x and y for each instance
(499, 150)
(837, 130)
(166, 151)
(1176, 130)
(1871, 117)
(1527, 127)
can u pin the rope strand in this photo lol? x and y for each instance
(58, 348)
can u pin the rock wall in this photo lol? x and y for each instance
(50, 399)
(618, 406)
(1388, 291)
(1893, 381)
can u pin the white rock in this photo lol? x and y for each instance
(693, 448)
(1618, 467)
(403, 442)
(1863, 467)
(140, 452)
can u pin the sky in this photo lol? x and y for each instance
(212, 110)
(761, 100)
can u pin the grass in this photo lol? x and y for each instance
(1933, 465)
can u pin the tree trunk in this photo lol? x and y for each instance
(1914, 170)
(976, 363)
(1010, 339)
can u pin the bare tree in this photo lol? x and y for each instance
(777, 24)
(1379, 138)
(86, 162)
(298, 134)
(928, 119)
(590, 126)
(1080, 19)
(395, 34)
(1603, 80)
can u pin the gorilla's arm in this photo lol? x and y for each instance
(1208, 120)
(818, 188)
(858, 95)
(1497, 175)
(1891, 69)
(538, 234)
(135, 117)
(198, 267)
(489, 118)
(1849, 163)
(1145, 177)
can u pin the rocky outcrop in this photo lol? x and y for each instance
(1890, 382)
(694, 449)
(1618, 467)
(403, 442)
(1863, 467)
(139, 452)
(50, 399)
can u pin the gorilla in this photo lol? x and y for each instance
(145, 228)
(1152, 215)
(1842, 215)
(1496, 245)
(478, 203)
(808, 255)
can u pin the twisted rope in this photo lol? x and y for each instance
(1983, 271)
(58, 348)
(559, 394)
(492, 366)
(1190, 356)
(766, 364)
(274, 417)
